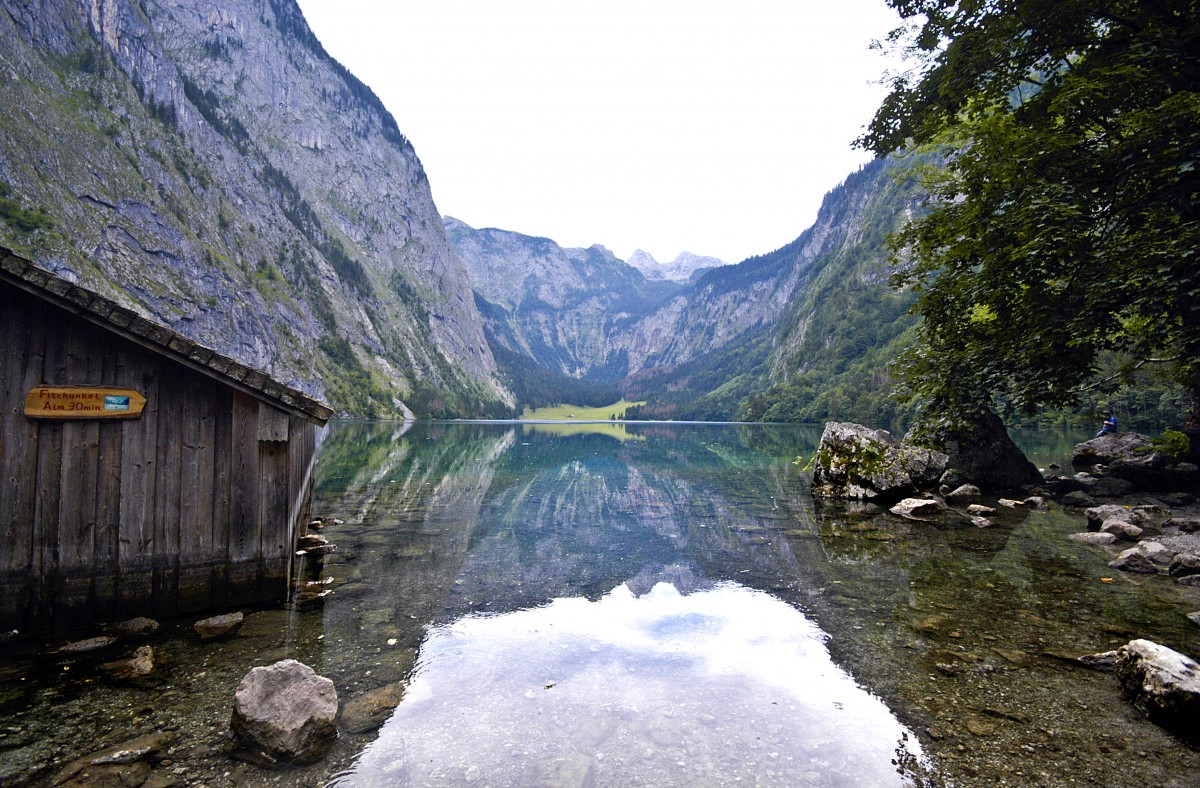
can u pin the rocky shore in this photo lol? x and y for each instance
(1140, 506)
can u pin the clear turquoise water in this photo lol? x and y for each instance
(647, 604)
(664, 605)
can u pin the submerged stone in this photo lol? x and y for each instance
(1092, 537)
(128, 763)
(368, 711)
(219, 626)
(137, 668)
(90, 644)
(139, 627)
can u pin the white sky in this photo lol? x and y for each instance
(711, 126)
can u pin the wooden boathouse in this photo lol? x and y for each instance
(140, 473)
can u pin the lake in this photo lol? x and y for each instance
(655, 604)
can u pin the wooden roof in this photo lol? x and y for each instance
(125, 322)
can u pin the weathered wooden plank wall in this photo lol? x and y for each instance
(181, 510)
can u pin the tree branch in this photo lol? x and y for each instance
(1138, 365)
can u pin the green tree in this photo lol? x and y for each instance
(1065, 223)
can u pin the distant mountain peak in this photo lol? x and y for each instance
(679, 270)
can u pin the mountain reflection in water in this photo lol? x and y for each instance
(593, 611)
(716, 687)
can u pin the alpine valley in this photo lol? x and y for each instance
(214, 169)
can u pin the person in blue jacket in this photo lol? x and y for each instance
(1109, 425)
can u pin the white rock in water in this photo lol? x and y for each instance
(916, 507)
(1163, 683)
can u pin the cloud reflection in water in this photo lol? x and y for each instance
(723, 686)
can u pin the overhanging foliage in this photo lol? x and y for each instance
(1066, 226)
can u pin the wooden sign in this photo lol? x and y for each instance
(83, 402)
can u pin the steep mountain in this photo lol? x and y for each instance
(681, 269)
(212, 167)
(562, 308)
(845, 323)
(816, 305)
(805, 332)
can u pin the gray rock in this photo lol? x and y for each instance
(1077, 499)
(1094, 538)
(1194, 617)
(980, 509)
(916, 507)
(284, 713)
(981, 522)
(1096, 515)
(856, 462)
(1035, 502)
(1148, 516)
(1186, 524)
(1110, 448)
(1162, 683)
(1129, 457)
(964, 491)
(368, 711)
(1184, 564)
(1157, 552)
(1122, 529)
(218, 626)
(1134, 560)
(981, 452)
(1192, 581)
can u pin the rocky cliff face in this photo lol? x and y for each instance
(564, 308)
(726, 303)
(212, 167)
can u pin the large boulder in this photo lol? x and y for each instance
(1111, 448)
(1162, 683)
(980, 451)
(857, 462)
(1151, 516)
(1130, 459)
(284, 713)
